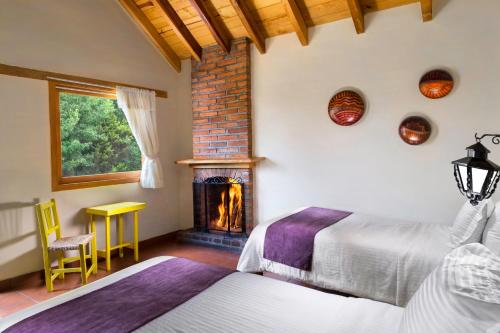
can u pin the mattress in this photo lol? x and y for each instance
(249, 303)
(362, 255)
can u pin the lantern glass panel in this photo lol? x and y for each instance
(493, 181)
(463, 176)
(478, 178)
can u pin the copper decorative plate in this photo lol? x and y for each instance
(415, 130)
(436, 84)
(346, 108)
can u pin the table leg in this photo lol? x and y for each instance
(136, 236)
(108, 245)
(120, 233)
(94, 244)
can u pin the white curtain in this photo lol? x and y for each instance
(139, 106)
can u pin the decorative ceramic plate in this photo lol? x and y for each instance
(415, 130)
(436, 84)
(346, 108)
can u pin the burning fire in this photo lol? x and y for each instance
(222, 221)
(235, 204)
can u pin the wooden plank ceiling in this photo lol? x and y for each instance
(186, 26)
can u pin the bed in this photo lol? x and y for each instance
(362, 255)
(242, 302)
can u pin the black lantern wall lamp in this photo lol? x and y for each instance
(476, 176)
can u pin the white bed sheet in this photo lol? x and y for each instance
(367, 256)
(249, 303)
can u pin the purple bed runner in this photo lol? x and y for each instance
(290, 241)
(128, 303)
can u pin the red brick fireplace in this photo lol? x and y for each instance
(222, 146)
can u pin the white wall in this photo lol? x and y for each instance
(367, 167)
(92, 38)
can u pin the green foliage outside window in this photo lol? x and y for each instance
(95, 137)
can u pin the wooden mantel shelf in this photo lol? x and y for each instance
(243, 163)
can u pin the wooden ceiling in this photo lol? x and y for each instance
(181, 28)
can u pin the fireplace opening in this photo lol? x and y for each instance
(219, 205)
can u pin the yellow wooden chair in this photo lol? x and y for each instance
(48, 223)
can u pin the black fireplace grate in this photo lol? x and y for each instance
(215, 194)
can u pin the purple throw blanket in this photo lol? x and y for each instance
(290, 241)
(128, 303)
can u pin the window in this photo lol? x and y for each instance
(92, 144)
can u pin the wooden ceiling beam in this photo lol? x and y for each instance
(297, 20)
(142, 21)
(357, 15)
(241, 8)
(426, 6)
(216, 28)
(146, 5)
(179, 27)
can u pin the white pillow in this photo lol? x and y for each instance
(469, 223)
(491, 234)
(462, 295)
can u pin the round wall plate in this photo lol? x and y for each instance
(436, 84)
(346, 108)
(415, 130)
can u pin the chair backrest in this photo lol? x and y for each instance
(48, 221)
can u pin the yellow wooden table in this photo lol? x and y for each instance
(117, 209)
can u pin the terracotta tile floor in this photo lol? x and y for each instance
(29, 291)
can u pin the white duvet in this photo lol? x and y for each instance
(366, 256)
(250, 303)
